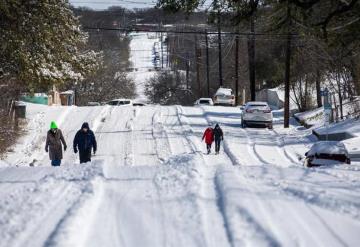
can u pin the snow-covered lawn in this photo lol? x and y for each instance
(151, 184)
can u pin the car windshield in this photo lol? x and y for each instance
(258, 107)
(113, 103)
(204, 101)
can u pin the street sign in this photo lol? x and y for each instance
(324, 92)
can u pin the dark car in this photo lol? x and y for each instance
(327, 153)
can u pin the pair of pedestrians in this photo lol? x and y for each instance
(83, 143)
(213, 134)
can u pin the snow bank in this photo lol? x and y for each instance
(351, 126)
(311, 118)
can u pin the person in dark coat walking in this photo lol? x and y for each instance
(54, 142)
(218, 136)
(84, 142)
(209, 138)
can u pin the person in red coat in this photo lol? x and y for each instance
(209, 138)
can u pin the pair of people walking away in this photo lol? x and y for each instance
(84, 142)
(211, 135)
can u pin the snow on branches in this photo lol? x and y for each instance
(42, 44)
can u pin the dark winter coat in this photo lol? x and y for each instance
(85, 141)
(208, 136)
(53, 144)
(218, 133)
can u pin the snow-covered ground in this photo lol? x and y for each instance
(151, 184)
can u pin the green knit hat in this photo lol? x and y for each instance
(53, 125)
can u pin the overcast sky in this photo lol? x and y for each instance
(104, 4)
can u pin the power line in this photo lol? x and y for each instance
(117, 2)
(183, 32)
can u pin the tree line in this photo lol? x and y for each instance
(307, 45)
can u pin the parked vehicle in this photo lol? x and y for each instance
(204, 101)
(224, 96)
(327, 153)
(118, 102)
(257, 113)
(93, 103)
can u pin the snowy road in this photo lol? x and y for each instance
(152, 185)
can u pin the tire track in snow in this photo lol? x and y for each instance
(42, 203)
(129, 147)
(234, 237)
(305, 200)
(265, 147)
(282, 150)
(247, 230)
(162, 144)
(269, 240)
(207, 183)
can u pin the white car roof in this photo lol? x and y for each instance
(121, 100)
(256, 103)
(205, 99)
(328, 147)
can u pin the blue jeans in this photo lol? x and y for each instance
(55, 162)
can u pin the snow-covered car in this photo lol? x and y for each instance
(93, 103)
(118, 102)
(224, 96)
(257, 113)
(204, 101)
(327, 153)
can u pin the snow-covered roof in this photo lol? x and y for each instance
(68, 92)
(121, 99)
(328, 147)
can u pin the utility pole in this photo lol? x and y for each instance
(187, 70)
(236, 69)
(167, 51)
(197, 57)
(219, 44)
(207, 64)
(287, 70)
(318, 88)
(251, 56)
(162, 54)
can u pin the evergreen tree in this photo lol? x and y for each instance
(42, 44)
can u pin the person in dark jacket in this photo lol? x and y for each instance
(84, 142)
(209, 138)
(54, 142)
(218, 136)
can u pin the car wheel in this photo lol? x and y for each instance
(307, 162)
(243, 124)
(270, 126)
(348, 161)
